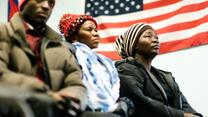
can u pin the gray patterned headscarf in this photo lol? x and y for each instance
(125, 43)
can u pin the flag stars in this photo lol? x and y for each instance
(112, 7)
(132, 3)
(92, 8)
(122, 5)
(88, 5)
(96, 3)
(127, 8)
(106, 12)
(138, 6)
(96, 12)
(116, 1)
(116, 10)
(106, 3)
(101, 7)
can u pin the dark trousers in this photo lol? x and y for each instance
(18, 103)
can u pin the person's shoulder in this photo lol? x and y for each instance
(125, 61)
(52, 34)
(164, 71)
(5, 31)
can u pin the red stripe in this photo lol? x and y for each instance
(160, 3)
(196, 40)
(184, 9)
(199, 39)
(13, 8)
(171, 28)
(108, 39)
(183, 26)
(111, 54)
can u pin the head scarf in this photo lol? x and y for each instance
(125, 43)
(69, 23)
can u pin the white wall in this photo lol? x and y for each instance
(190, 70)
(188, 66)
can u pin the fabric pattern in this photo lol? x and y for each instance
(70, 23)
(100, 77)
(125, 43)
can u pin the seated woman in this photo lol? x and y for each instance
(99, 73)
(154, 92)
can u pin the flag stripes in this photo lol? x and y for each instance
(179, 24)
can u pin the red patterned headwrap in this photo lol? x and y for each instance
(69, 23)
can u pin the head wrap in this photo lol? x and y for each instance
(21, 3)
(69, 23)
(125, 43)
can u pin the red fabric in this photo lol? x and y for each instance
(34, 39)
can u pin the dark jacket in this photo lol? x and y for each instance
(18, 66)
(148, 95)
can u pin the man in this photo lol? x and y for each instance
(32, 57)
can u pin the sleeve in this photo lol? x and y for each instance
(9, 77)
(73, 82)
(132, 86)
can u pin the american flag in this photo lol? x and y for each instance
(12, 7)
(180, 24)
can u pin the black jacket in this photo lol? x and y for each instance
(148, 95)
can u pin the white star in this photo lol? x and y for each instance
(87, 13)
(96, 12)
(138, 6)
(106, 2)
(122, 5)
(132, 3)
(96, 3)
(88, 5)
(92, 8)
(101, 7)
(116, 10)
(127, 8)
(106, 11)
(117, 1)
(111, 6)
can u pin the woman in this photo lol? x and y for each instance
(100, 75)
(154, 92)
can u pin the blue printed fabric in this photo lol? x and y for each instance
(100, 77)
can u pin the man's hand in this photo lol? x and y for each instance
(69, 105)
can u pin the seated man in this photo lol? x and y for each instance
(32, 57)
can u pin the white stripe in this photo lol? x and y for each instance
(106, 47)
(149, 1)
(161, 24)
(146, 13)
(181, 18)
(184, 33)
(164, 37)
